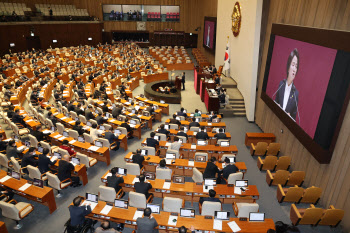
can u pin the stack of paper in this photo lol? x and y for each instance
(24, 187)
(46, 131)
(57, 136)
(167, 144)
(106, 209)
(109, 174)
(90, 203)
(238, 190)
(217, 224)
(63, 118)
(4, 179)
(21, 147)
(71, 142)
(138, 214)
(191, 163)
(62, 138)
(172, 220)
(234, 227)
(206, 188)
(166, 185)
(93, 148)
(135, 180)
(193, 147)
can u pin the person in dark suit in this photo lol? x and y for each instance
(183, 80)
(116, 111)
(44, 162)
(183, 229)
(229, 169)
(147, 224)
(12, 151)
(151, 141)
(181, 112)
(114, 181)
(79, 111)
(142, 187)
(138, 158)
(99, 119)
(202, 135)
(211, 197)
(105, 107)
(182, 133)
(162, 130)
(174, 121)
(194, 123)
(16, 118)
(211, 170)
(220, 135)
(3, 144)
(29, 159)
(52, 118)
(128, 128)
(77, 127)
(38, 134)
(287, 96)
(111, 138)
(65, 169)
(88, 113)
(70, 107)
(78, 213)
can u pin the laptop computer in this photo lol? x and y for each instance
(178, 179)
(81, 139)
(91, 197)
(166, 127)
(102, 127)
(157, 138)
(201, 142)
(117, 132)
(256, 217)
(241, 183)
(40, 149)
(154, 207)
(57, 154)
(75, 161)
(88, 123)
(65, 133)
(98, 143)
(222, 215)
(150, 175)
(124, 204)
(187, 213)
(210, 182)
(225, 143)
(144, 152)
(15, 175)
(39, 183)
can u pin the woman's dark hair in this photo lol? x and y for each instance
(162, 163)
(293, 54)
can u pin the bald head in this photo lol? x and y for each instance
(66, 158)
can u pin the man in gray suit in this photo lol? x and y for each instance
(147, 224)
(12, 151)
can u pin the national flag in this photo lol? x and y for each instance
(227, 57)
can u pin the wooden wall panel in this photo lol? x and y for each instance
(333, 178)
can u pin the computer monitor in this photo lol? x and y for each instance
(178, 179)
(76, 118)
(102, 127)
(162, 102)
(98, 143)
(91, 197)
(166, 127)
(180, 140)
(144, 152)
(65, 133)
(124, 204)
(225, 143)
(133, 111)
(209, 182)
(67, 115)
(107, 114)
(81, 139)
(241, 183)
(256, 217)
(187, 213)
(154, 207)
(53, 128)
(27, 143)
(88, 123)
(146, 114)
(40, 149)
(170, 155)
(199, 112)
(38, 182)
(76, 160)
(141, 104)
(122, 171)
(201, 142)
(150, 175)
(222, 215)
(201, 158)
(117, 132)
(57, 154)
(197, 119)
(232, 159)
(133, 122)
(15, 175)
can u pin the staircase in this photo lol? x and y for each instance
(236, 106)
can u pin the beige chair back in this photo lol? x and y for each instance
(133, 169)
(4, 160)
(137, 200)
(164, 174)
(73, 133)
(162, 136)
(172, 204)
(53, 181)
(245, 208)
(88, 138)
(33, 172)
(150, 150)
(16, 165)
(209, 208)
(173, 126)
(176, 152)
(106, 193)
(9, 211)
(197, 175)
(123, 130)
(60, 128)
(233, 177)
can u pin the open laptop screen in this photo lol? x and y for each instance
(241, 183)
(155, 208)
(222, 215)
(92, 197)
(121, 204)
(188, 213)
(256, 217)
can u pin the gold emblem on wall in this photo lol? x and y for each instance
(236, 19)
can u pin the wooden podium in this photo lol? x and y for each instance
(178, 81)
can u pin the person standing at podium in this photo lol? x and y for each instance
(183, 80)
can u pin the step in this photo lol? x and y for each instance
(239, 114)
(238, 110)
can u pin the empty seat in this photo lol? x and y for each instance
(293, 194)
(171, 204)
(296, 178)
(283, 163)
(55, 183)
(197, 175)
(311, 195)
(260, 149)
(35, 173)
(164, 174)
(268, 163)
(209, 208)
(242, 210)
(331, 217)
(150, 150)
(138, 200)
(16, 211)
(106, 193)
(273, 149)
(133, 169)
(309, 216)
(87, 161)
(280, 177)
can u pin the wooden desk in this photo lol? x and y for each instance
(115, 124)
(180, 166)
(190, 191)
(164, 107)
(209, 126)
(102, 154)
(44, 195)
(192, 137)
(211, 102)
(259, 137)
(155, 77)
(3, 228)
(199, 222)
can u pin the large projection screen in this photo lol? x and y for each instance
(306, 84)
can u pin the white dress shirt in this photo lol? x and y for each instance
(287, 90)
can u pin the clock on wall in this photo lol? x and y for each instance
(141, 26)
(236, 19)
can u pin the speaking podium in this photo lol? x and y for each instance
(178, 81)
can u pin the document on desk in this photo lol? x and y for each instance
(53, 158)
(209, 124)
(172, 220)
(193, 147)
(167, 144)
(93, 148)
(90, 203)
(234, 227)
(108, 174)
(106, 209)
(62, 138)
(238, 190)
(217, 224)
(63, 118)
(21, 147)
(5, 178)
(135, 180)
(71, 142)
(24, 187)
(57, 136)
(206, 188)
(191, 163)
(71, 122)
(138, 214)
(46, 131)
(166, 185)
(29, 120)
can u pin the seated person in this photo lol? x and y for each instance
(78, 213)
(151, 142)
(38, 134)
(142, 187)
(175, 145)
(112, 138)
(52, 118)
(182, 113)
(105, 228)
(78, 127)
(29, 159)
(16, 118)
(162, 130)
(88, 113)
(128, 129)
(79, 110)
(196, 113)
(194, 123)
(211, 197)
(174, 121)
(3, 144)
(162, 164)
(94, 132)
(138, 158)
(229, 169)
(183, 229)
(202, 135)
(44, 162)
(65, 146)
(12, 151)
(211, 169)
(182, 133)
(65, 169)
(220, 135)
(147, 223)
(114, 181)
